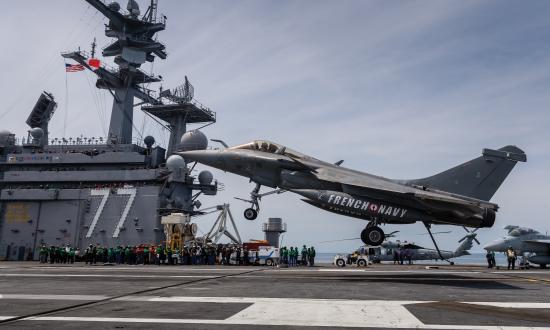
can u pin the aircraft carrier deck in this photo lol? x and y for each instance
(203, 297)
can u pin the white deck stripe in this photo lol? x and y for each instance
(284, 311)
(252, 300)
(278, 270)
(141, 268)
(367, 271)
(511, 304)
(134, 276)
(168, 276)
(52, 297)
(106, 275)
(335, 322)
(521, 272)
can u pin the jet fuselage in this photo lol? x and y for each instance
(297, 175)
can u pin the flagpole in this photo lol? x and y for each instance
(66, 102)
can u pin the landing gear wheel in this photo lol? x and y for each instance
(250, 214)
(361, 263)
(340, 263)
(373, 236)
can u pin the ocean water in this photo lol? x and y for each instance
(473, 259)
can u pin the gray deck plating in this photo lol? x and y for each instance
(383, 296)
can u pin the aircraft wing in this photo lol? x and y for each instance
(368, 185)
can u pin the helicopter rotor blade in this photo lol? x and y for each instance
(392, 233)
(340, 240)
(439, 232)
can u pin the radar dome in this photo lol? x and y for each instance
(193, 140)
(205, 177)
(149, 141)
(4, 132)
(37, 133)
(6, 137)
(133, 7)
(114, 6)
(175, 162)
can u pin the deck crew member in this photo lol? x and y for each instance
(511, 255)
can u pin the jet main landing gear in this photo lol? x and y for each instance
(373, 235)
(429, 229)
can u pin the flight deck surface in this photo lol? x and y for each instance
(207, 297)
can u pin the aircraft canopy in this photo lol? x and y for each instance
(270, 147)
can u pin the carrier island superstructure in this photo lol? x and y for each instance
(82, 191)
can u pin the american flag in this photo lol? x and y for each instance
(73, 67)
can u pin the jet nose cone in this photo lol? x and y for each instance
(489, 247)
(493, 246)
(207, 157)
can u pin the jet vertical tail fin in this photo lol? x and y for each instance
(478, 178)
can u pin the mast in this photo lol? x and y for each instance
(134, 44)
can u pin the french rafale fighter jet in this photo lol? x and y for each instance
(459, 196)
(525, 241)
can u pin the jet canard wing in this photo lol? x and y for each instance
(363, 184)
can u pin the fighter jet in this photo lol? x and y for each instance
(525, 241)
(459, 196)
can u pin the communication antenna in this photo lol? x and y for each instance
(93, 48)
(151, 13)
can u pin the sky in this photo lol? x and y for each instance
(402, 89)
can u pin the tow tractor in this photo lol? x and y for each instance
(356, 259)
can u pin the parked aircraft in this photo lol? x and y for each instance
(387, 250)
(535, 245)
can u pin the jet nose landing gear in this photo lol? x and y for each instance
(372, 235)
(250, 214)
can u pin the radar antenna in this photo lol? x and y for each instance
(93, 49)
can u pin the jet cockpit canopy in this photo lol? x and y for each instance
(520, 231)
(271, 147)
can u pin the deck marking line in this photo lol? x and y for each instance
(335, 323)
(106, 275)
(282, 311)
(510, 304)
(52, 297)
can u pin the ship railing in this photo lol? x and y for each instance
(79, 141)
(194, 102)
(274, 227)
